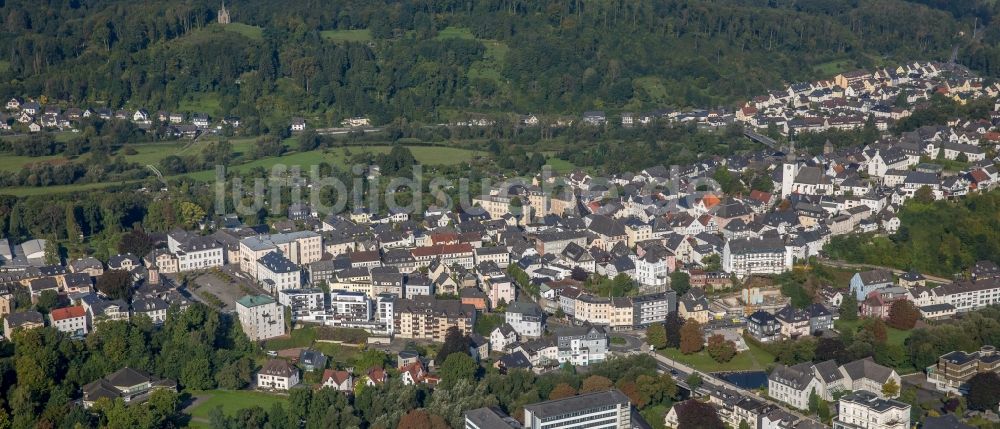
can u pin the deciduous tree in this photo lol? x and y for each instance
(692, 339)
(903, 315)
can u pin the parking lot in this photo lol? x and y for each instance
(222, 284)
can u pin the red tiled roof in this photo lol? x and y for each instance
(67, 313)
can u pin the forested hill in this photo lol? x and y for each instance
(431, 60)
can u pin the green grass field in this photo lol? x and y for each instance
(755, 359)
(362, 35)
(201, 103)
(152, 153)
(652, 86)
(230, 401)
(894, 336)
(302, 337)
(833, 68)
(249, 31)
(493, 59)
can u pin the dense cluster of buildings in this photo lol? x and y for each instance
(848, 100)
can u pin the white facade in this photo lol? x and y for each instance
(865, 410)
(261, 317)
(745, 257)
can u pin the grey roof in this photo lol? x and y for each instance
(875, 277)
(525, 308)
(278, 263)
(796, 376)
(867, 368)
(577, 403)
(24, 317)
(761, 245)
(872, 401)
(490, 418)
(828, 371)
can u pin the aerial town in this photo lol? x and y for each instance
(606, 268)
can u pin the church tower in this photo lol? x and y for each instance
(789, 170)
(223, 14)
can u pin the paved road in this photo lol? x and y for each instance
(848, 265)
(665, 365)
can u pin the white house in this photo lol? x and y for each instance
(526, 318)
(862, 409)
(277, 374)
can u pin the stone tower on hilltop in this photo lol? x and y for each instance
(223, 14)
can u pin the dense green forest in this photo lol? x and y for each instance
(432, 60)
(940, 237)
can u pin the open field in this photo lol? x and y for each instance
(755, 359)
(362, 35)
(230, 401)
(201, 103)
(152, 153)
(895, 336)
(250, 31)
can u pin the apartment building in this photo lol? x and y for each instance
(749, 256)
(526, 318)
(968, 295)
(862, 409)
(261, 317)
(599, 410)
(276, 272)
(194, 252)
(426, 317)
(953, 370)
(302, 247)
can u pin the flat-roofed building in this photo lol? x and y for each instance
(598, 410)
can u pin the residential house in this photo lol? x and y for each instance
(277, 374)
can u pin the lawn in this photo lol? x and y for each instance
(201, 103)
(230, 401)
(303, 337)
(652, 86)
(362, 35)
(249, 31)
(152, 153)
(755, 359)
(895, 336)
(493, 59)
(832, 68)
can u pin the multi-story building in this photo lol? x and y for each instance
(261, 317)
(592, 309)
(866, 282)
(582, 345)
(276, 272)
(490, 418)
(277, 374)
(21, 320)
(302, 247)
(500, 290)
(792, 384)
(968, 295)
(953, 370)
(862, 409)
(449, 254)
(555, 241)
(526, 318)
(749, 256)
(195, 252)
(72, 320)
(599, 410)
(152, 307)
(652, 308)
(385, 312)
(764, 326)
(426, 317)
(305, 304)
